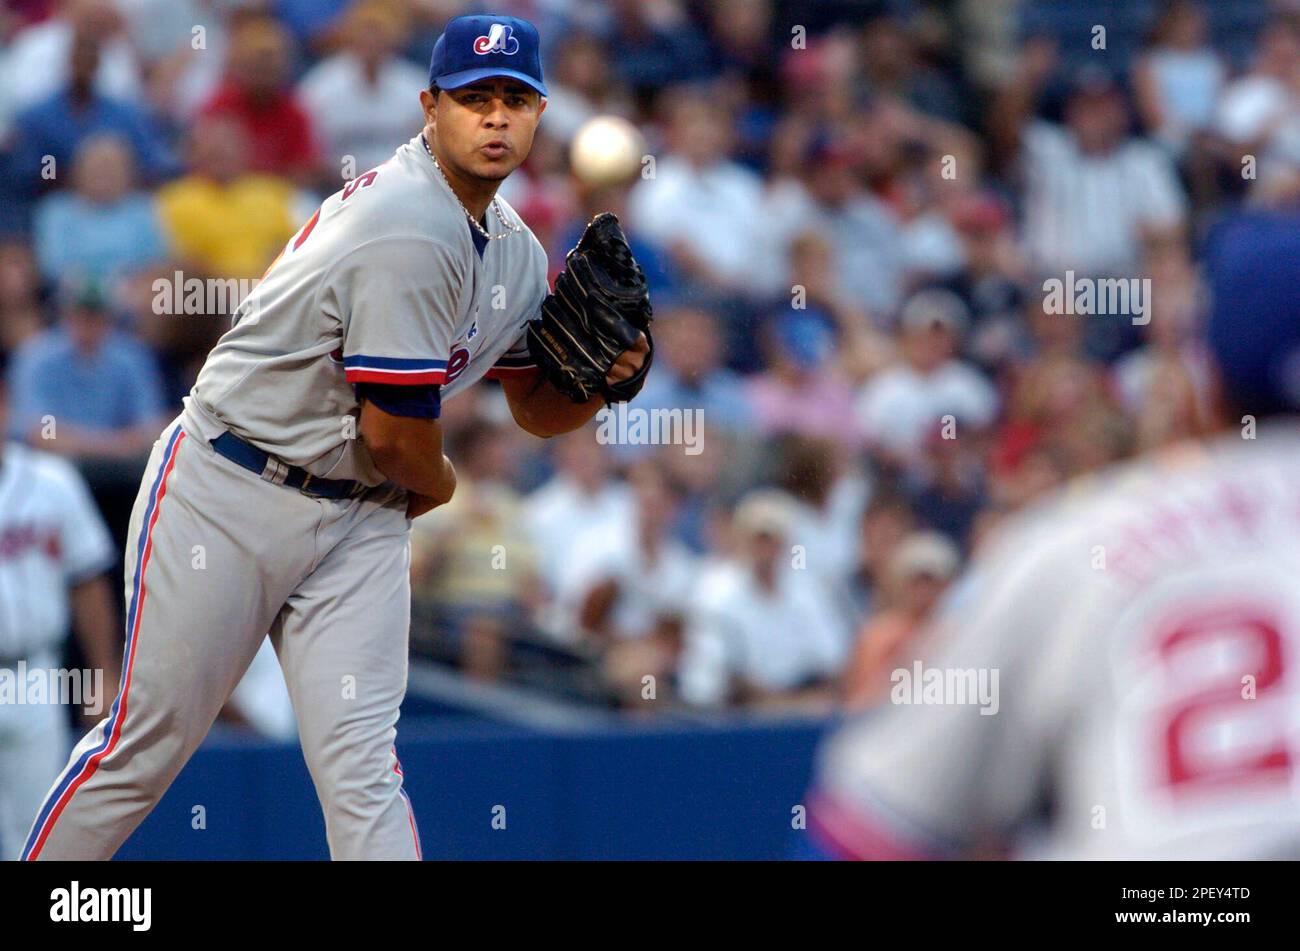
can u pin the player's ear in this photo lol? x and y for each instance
(541, 106)
(429, 103)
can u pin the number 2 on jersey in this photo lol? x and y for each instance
(1222, 713)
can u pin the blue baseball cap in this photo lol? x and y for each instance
(479, 47)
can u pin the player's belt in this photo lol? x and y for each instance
(273, 470)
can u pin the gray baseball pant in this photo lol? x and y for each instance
(217, 559)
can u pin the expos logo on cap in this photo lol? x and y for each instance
(478, 47)
(500, 39)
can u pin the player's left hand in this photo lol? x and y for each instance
(629, 362)
(592, 334)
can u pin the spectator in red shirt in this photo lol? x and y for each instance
(257, 93)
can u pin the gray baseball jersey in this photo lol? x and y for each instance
(383, 284)
(1126, 655)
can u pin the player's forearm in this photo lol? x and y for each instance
(541, 409)
(414, 469)
(408, 451)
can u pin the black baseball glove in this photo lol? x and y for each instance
(599, 306)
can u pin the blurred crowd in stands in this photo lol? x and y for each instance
(850, 216)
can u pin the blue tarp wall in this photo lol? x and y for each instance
(624, 791)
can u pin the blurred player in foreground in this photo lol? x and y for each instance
(1137, 641)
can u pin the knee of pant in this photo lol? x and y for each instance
(157, 765)
(351, 750)
(176, 736)
(359, 767)
(364, 796)
(162, 716)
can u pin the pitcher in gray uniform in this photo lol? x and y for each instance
(280, 500)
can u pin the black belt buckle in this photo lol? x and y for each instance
(326, 486)
(329, 488)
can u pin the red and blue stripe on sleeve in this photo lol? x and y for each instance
(397, 370)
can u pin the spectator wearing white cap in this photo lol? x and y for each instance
(914, 579)
(900, 407)
(759, 630)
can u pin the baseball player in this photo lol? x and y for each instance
(281, 499)
(54, 552)
(1145, 634)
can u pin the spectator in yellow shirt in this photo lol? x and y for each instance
(222, 220)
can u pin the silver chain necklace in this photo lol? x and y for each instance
(501, 215)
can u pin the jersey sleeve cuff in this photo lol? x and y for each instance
(416, 402)
(398, 371)
(514, 362)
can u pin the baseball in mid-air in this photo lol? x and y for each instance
(606, 150)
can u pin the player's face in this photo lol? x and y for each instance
(485, 130)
